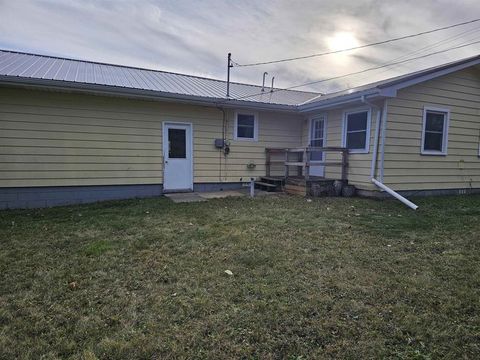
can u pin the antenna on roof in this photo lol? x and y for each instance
(263, 84)
(229, 66)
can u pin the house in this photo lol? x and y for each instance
(76, 131)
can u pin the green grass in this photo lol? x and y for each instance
(331, 278)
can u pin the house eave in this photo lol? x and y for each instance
(388, 89)
(105, 90)
(414, 79)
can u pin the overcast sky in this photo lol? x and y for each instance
(194, 37)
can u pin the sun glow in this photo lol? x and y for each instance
(342, 41)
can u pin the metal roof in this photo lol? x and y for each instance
(56, 71)
(32, 69)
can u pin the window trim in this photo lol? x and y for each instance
(366, 149)
(322, 116)
(446, 125)
(255, 126)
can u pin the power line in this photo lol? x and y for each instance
(431, 47)
(358, 72)
(390, 66)
(236, 64)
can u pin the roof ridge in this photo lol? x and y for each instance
(146, 69)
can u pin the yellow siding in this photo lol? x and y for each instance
(56, 139)
(359, 164)
(405, 167)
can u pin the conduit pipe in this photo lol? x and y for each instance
(395, 194)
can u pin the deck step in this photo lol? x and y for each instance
(272, 180)
(266, 186)
(303, 182)
(295, 189)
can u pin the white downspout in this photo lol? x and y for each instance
(384, 131)
(395, 194)
(377, 135)
(381, 112)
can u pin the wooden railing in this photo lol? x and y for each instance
(303, 161)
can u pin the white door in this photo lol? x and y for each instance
(177, 157)
(317, 138)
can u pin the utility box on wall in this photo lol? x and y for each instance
(219, 143)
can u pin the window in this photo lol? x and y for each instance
(435, 131)
(177, 144)
(356, 130)
(246, 126)
(317, 137)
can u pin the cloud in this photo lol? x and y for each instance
(194, 37)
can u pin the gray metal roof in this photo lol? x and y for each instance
(33, 69)
(29, 68)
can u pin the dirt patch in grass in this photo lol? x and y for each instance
(331, 278)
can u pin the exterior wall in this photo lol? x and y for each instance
(359, 164)
(405, 168)
(45, 196)
(274, 130)
(58, 139)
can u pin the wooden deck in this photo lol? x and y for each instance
(295, 185)
(301, 182)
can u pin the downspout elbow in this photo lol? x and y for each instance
(396, 195)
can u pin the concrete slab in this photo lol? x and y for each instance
(204, 196)
(220, 194)
(246, 192)
(185, 197)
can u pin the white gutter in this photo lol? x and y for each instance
(395, 194)
(321, 104)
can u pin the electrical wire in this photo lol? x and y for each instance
(357, 72)
(430, 47)
(236, 64)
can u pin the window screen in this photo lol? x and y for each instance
(177, 145)
(433, 139)
(356, 133)
(245, 126)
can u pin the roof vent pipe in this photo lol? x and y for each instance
(273, 79)
(263, 84)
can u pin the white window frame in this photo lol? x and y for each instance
(310, 122)
(255, 126)
(368, 134)
(446, 124)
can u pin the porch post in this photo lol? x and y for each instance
(344, 165)
(306, 161)
(286, 164)
(267, 163)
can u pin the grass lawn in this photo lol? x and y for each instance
(331, 278)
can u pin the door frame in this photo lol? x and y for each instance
(165, 150)
(310, 121)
